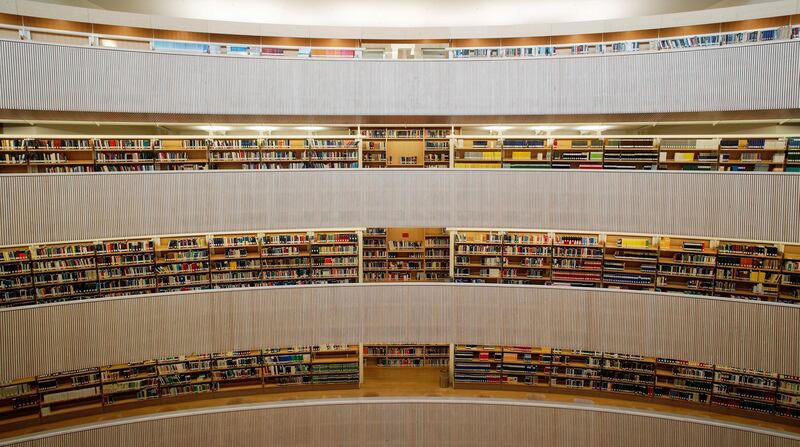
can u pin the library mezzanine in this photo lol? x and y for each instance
(214, 231)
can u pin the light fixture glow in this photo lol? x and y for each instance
(545, 128)
(263, 128)
(592, 128)
(310, 128)
(497, 128)
(214, 128)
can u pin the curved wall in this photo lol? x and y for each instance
(72, 207)
(749, 77)
(412, 421)
(66, 336)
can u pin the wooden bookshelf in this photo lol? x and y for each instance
(405, 254)
(234, 153)
(788, 398)
(577, 259)
(793, 155)
(405, 148)
(184, 375)
(277, 153)
(126, 267)
(745, 389)
(285, 258)
(577, 153)
(335, 365)
(182, 263)
(182, 155)
(630, 262)
(478, 152)
(576, 369)
(125, 154)
(331, 153)
(789, 290)
(235, 260)
(527, 257)
(527, 153)
(526, 366)
(129, 382)
(60, 155)
(478, 256)
(626, 373)
(64, 271)
(752, 154)
(334, 257)
(286, 366)
(437, 254)
(630, 153)
(237, 370)
(19, 401)
(684, 380)
(477, 364)
(407, 355)
(748, 270)
(70, 392)
(16, 277)
(700, 154)
(374, 255)
(437, 148)
(13, 156)
(686, 266)
(373, 148)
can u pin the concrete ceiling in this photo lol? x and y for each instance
(404, 13)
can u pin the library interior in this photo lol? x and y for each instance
(405, 222)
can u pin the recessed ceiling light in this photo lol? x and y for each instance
(310, 128)
(263, 128)
(213, 128)
(545, 128)
(497, 128)
(592, 128)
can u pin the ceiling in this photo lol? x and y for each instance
(404, 13)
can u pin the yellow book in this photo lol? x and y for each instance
(684, 156)
(521, 155)
(638, 243)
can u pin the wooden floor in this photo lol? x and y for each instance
(385, 382)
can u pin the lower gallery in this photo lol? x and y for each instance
(399, 223)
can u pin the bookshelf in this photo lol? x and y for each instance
(478, 256)
(526, 153)
(125, 155)
(70, 392)
(684, 380)
(437, 148)
(335, 365)
(184, 375)
(747, 270)
(60, 155)
(334, 257)
(793, 155)
(577, 153)
(437, 254)
(182, 155)
(19, 401)
(630, 262)
(237, 370)
(686, 265)
(405, 148)
(577, 259)
(527, 257)
(689, 154)
(16, 277)
(373, 148)
(285, 258)
(64, 271)
(407, 355)
(788, 398)
(182, 263)
(129, 382)
(126, 267)
(331, 153)
(752, 154)
(13, 156)
(477, 364)
(230, 153)
(374, 255)
(235, 260)
(405, 254)
(576, 369)
(286, 366)
(477, 152)
(789, 290)
(744, 389)
(630, 153)
(626, 373)
(279, 153)
(526, 366)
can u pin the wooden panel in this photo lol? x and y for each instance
(742, 25)
(423, 421)
(795, 19)
(180, 35)
(10, 19)
(65, 25)
(235, 38)
(404, 41)
(525, 41)
(630, 35)
(467, 43)
(83, 334)
(577, 38)
(286, 41)
(341, 43)
(690, 30)
(124, 31)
